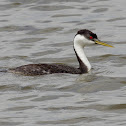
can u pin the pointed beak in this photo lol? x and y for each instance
(102, 43)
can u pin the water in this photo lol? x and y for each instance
(39, 31)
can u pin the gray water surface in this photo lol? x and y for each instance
(42, 31)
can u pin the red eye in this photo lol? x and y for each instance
(90, 37)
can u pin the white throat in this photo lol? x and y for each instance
(79, 49)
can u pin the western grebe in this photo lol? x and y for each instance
(82, 38)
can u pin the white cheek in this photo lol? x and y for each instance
(79, 37)
(90, 42)
(81, 40)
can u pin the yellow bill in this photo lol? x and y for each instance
(102, 43)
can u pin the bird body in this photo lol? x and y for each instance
(41, 69)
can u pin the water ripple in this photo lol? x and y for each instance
(39, 31)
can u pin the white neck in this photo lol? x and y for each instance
(79, 49)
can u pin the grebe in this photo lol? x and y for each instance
(82, 38)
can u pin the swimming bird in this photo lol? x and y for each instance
(83, 38)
